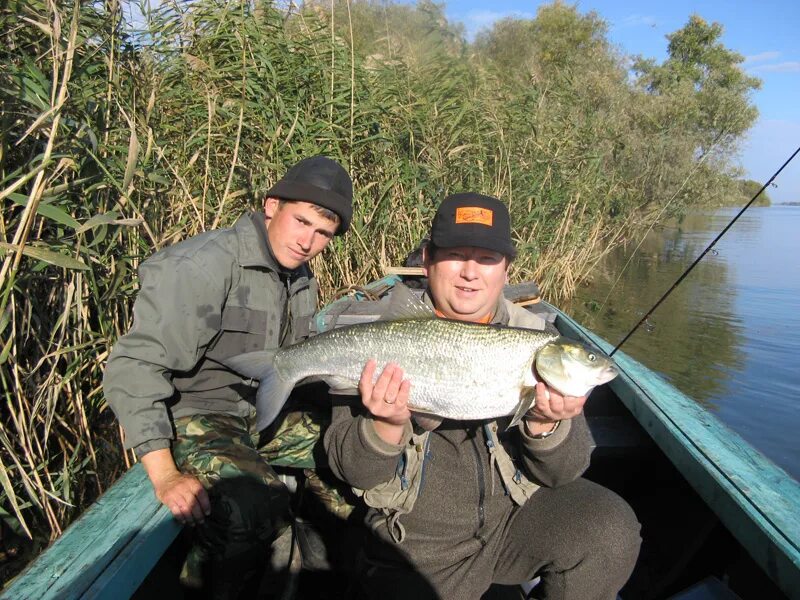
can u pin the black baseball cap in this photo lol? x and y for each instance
(319, 180)
(471, 219)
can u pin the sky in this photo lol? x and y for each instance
(766, 33)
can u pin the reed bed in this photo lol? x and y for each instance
(125, 128)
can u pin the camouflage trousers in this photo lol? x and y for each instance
(327, 525)
(250, 506)
(294, 440)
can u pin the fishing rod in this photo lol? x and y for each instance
(704, 252)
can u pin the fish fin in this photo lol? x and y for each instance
(341, 386)
(271, 396)
(427, 422)
(404, 304)
(251, 364)
(422, 411)
(527, 398)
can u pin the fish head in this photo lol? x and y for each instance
(573, 368)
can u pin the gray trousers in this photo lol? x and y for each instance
(581, 539)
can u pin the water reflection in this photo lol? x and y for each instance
(727, 335)
(694, 332)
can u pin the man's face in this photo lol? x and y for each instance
(296, 231)
(466, 282)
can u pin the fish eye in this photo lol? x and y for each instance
(592, 357)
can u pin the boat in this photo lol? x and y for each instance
(719, 520)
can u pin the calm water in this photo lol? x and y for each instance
(729, 335)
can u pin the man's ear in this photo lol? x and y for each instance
(426, 257)
(271, 206)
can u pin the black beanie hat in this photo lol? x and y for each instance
(319, 180)
(472, 219)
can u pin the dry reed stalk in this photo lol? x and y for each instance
(22, 181)
(235, 157)
(11, 263)
(207, 170)
(333, 60)
(352, 80)
(184, 187)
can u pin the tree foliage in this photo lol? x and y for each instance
(749, 189)
(708, 78)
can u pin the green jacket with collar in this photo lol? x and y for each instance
(210, 297)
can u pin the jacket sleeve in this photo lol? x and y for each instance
(560, 457)
(176, 315)
(356, 453)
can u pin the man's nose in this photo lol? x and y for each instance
(469, 269)
(305, 239)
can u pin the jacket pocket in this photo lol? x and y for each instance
(303, 303)
(243, 330)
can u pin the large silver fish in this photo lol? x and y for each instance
(457, 370)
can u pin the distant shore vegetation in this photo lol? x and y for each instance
(125, 129)
(749, 189)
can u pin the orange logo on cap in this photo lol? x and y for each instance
(474, 214)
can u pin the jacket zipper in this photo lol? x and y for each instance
(286, 325)
(481, 490)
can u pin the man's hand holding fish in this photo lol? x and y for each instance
(386, 399)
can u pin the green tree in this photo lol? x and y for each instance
(750, 188)
(708, 78)
(559, 44)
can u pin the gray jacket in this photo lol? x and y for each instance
(459, 478)
(210, 297)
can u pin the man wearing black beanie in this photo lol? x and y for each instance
(190, 419)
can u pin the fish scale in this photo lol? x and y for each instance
(457, 370)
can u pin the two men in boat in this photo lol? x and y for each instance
(483, 505)
(191, 420)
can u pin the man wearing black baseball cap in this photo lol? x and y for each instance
(468, 256)
(471, 219)
(190, 419)
(478, 502)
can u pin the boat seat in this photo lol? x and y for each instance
(107, 552)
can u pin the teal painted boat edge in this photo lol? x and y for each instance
(102, 539)
(754, 498)
(125, 574)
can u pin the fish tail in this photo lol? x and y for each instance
(271, 396)
(251, 364)
(272, 390)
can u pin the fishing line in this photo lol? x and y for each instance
(704, 252)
